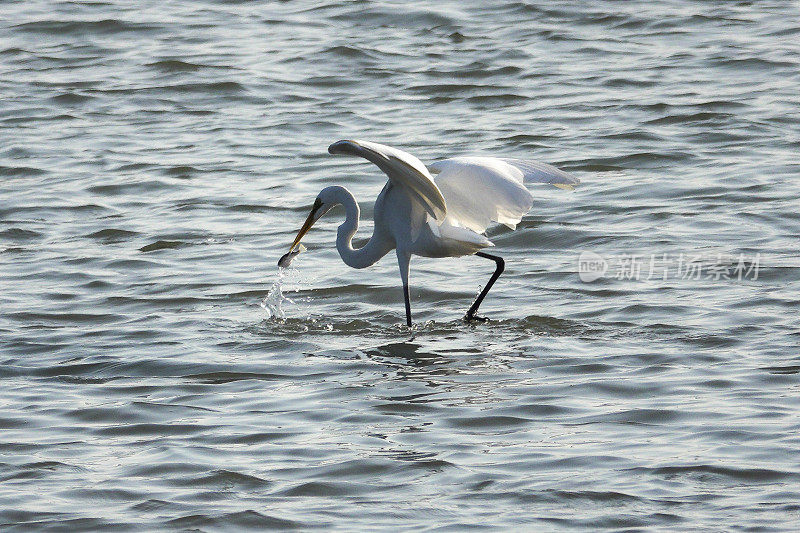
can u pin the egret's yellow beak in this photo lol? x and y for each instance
(306, 225)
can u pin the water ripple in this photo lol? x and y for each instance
(157, 163)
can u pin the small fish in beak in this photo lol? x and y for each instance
(287, 258)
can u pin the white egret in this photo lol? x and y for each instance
(417, 215)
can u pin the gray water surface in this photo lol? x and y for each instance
(157, 158)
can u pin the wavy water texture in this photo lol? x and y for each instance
(158, 373)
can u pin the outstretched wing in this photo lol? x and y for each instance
(403, 170)
(482, 190)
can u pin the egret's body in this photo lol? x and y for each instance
(446, 217)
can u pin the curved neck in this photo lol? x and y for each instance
(368, 254)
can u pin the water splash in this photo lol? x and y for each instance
(288, 281)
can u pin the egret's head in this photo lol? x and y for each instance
(324, 202)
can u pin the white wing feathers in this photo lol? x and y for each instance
(536, 172)
(478, 190)
(483, 190)
(402, 168)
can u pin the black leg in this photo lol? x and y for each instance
(407, 297)
(499, 270)
(403, 261)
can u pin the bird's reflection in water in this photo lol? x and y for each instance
(412, 353)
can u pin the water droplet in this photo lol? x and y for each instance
(288, 280)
